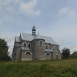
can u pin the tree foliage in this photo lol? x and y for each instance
(3, 50)
(65, 53)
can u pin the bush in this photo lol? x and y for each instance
(73, 56)
(65, 53)
(4, 50)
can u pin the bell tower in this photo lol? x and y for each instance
(34, 31)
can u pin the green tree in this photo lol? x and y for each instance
(65, 53)
(3, 50)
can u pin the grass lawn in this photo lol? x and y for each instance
(48, 68)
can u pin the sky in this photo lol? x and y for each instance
(55, 18)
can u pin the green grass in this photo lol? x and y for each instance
(48, 68)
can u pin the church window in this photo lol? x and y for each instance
(29, 45)
(47, 54)
(41, 43)
(28, 53)
(25, 44)
(47, 46)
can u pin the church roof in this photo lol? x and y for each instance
(30, 37)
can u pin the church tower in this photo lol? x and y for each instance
(38, 49)
(34, 31)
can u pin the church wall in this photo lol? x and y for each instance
(38, 51)
(50, 47)
(60, 55)
(26, 56)
(56, 52)
(48, 56)
(27, 43)
(16, 51)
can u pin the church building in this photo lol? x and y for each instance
(35, 47)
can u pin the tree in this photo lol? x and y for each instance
(65, 53)
(3, 50)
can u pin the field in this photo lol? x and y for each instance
(48, 68)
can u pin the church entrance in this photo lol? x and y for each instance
(57, 56)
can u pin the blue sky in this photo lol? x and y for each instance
(55, 18)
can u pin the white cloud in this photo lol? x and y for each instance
(21, 6)
(7, 5)
(63, 10)
(11, 9)
(16, 1)
(7, 2)
(4, 2)
(67, 11)
(28, 8)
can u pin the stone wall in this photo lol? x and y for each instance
(16, 51)
(37, 50)
(26, 55)
(56, 52)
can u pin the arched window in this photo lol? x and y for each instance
(47, 54)
(25, 44)
(41, 43)
(47, 46)
(29, 45)
(28, 53)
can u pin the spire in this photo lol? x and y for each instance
(33, 31)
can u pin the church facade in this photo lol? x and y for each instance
(35, 47)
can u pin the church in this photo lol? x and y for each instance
(35, 47)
